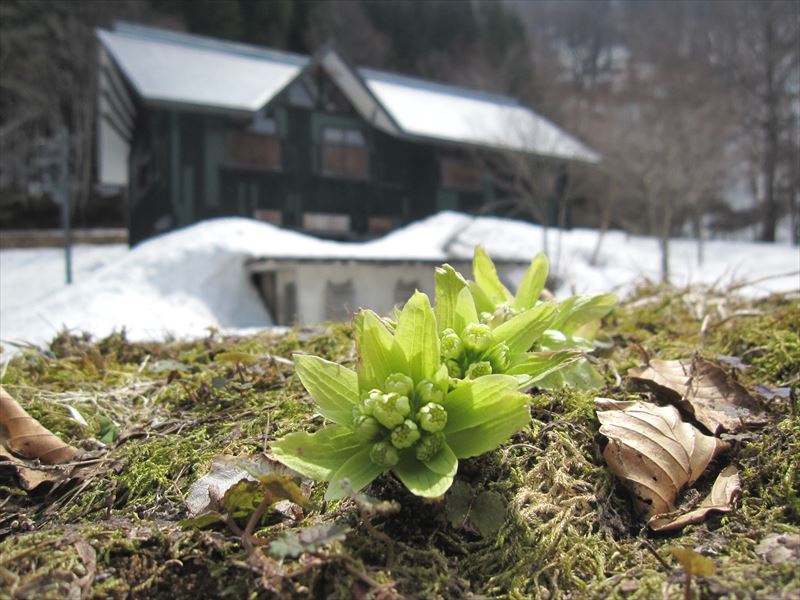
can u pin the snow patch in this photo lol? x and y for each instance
(182, 283)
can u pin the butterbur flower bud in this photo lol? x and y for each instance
(427, 392)
(451, 344)
(454, 369)
(432, 417)
(498, 357)
(399, 383)
(479, 369)
(429, 446)
(367, 429)
(477, 337)
(405, 435)
(391, 410)
(501, 314)
(370, 401)
(384, 455)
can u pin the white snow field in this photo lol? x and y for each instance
(184, 282)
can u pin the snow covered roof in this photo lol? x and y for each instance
(171, 67)
(444, 112)
(166, 66)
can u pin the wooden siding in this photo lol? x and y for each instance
(192, 175)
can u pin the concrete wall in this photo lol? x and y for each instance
(374, 286)
(308, 293)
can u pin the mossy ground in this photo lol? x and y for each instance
(568, 532)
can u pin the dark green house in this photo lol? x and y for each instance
(194, 128)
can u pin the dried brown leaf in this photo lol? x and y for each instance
(704, 390)
(653, 451)
(26, 437)
(30, 475)
(724, 492)
(226, 472)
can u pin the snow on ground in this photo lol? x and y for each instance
(181, 283)
(29, 274)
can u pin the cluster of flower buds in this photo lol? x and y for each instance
(401, 416)
(501, 314)
(474, 353)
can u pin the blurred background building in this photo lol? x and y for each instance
(693, 107)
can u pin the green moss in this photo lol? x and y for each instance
(569, 531)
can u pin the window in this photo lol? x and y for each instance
(460, 174)
(326, 221)
(258, 146)
(344, 153)
(380, 225)
(268, 215)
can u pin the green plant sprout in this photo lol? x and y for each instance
(549, 339)
(400, 411)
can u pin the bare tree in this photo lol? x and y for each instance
(758, 45)
(48, 80)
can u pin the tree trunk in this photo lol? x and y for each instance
(605, 222)
(699, 234)
(666, 230)
(770, 133)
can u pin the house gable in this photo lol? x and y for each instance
(210, 128)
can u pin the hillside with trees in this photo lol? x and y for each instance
(695, 107)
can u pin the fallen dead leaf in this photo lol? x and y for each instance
(704, 390)
(225, 473)
(31, 476)
(653, 451)
(724, 492)
(25, 436)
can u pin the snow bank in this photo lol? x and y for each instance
(182, 283)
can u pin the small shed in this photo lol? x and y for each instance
(309, 290)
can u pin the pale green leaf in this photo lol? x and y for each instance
(484, 413)
(493, 432)
(471, 401)
(418, 338)
(380, 355)
(532, 283)
(420, 479)
(449, 283)
(444, 463)
(481, 299)
(576, 312)
(538, 365)
(552, 339)
(465, 310)
(333, 387)
(580, 375)
(357, 471)
(521, 331)
(317, 455)
(485, 274)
